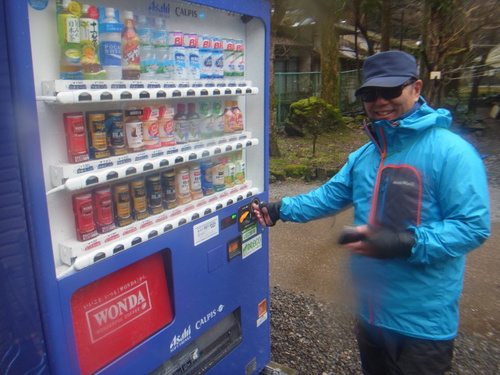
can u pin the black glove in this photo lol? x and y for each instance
(271, 212)
(389, 244)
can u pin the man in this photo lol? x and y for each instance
(421, 203)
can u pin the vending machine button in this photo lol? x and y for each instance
(118, 248)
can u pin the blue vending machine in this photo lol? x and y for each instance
(135, 139)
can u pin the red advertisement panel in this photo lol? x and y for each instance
(115, 313)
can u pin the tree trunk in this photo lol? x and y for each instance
(386, 23)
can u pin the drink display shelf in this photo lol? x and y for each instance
(73, 177)
(77, 255)
(75, 92)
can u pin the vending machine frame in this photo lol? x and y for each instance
(215, 259)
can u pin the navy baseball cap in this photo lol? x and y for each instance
(388, 69)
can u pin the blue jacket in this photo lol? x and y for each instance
(417, 174)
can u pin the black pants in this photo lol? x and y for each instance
(385, 352)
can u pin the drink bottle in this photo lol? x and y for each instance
(194, 123)
(238, 117)
(192, 56)
(110, 35)
(160, 43)
(131, 66)
(181, 124)
(89, 42)
(68, 28)
(239, 60)
(229, 58)
(146, 49)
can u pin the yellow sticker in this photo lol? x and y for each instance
(75, 8)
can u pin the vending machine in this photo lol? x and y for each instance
(134, 142)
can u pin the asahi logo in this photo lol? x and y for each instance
(116, 313)
(156, 7)
(181, 339)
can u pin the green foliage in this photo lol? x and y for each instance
(314, 116)
(299, 171)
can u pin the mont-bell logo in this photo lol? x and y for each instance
(156, 7)
(116, 313)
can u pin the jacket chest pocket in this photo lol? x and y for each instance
(398, 198)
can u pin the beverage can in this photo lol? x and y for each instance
(139, 198)
(104, 216)
(154, 193)
(122, 205)
(115, 129)
(74, 127)
(96, 128)
(183, 185)
(218, 176)
(207, 184)
(84, 217)
(169, 191)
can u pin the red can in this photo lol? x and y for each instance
(74, 127)
(84, 217)
(103, 204)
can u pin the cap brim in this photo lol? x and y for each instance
(383, 82)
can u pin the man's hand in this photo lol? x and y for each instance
(267, 213)
(382, 244)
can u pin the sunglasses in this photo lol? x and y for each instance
(388, 93)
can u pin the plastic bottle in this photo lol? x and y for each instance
(238, 117)
(110, 32)
(68, 28)
(218, 176)
(229, 118)
(131, 63)
(133, 130)
(160, 42)
(239, 168)
(218, 116)
(192, 56)
(206, 120)
(194, 123)
(206, 62)
(217, 58)
(181, 124)
(239, 60)
(178, 55)
(89, 41)
(229, 61)
(229, 171)
(146, 49)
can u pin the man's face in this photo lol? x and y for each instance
(391, 109)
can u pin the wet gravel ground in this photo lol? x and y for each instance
(315, 337)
